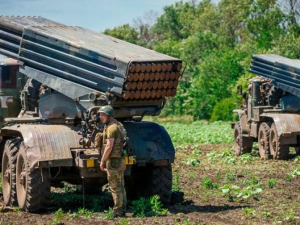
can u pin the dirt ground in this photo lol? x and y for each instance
(202, 173)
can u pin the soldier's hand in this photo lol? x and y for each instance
(102, 166)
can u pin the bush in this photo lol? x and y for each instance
(223, 110)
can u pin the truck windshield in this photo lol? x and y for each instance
(8, 76)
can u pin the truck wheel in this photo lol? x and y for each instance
(33, 185)
(278, 150)
(263, 140)
(9, 171)
(297, 150)
(161, 183)
(242, 144)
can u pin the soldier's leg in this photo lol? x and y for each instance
(116, 183)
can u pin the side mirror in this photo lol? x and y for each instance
(240, 90)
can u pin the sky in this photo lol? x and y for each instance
(96, 15)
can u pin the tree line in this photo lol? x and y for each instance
(216, 42)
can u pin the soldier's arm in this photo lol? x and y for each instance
(107, 151)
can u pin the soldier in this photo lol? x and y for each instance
(113, 159)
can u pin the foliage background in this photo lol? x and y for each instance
(216, 42)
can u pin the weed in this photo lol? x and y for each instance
(291, 217)
(148, 207)
(109, 214)
(187, 222)
(296, 172)
(288, 177)
(58, 216)
(235, 193)
(197, 152)
(193, 162)
(253, 181)
(208, 184)
(248, 212)
(218, 176)
(191, 175)
(71, 215)
(175, 185)
(212, 156)
(246, 158)
(84, 212)
(250, 191)
(272, 182)
(266, 214)
(226, 152)
(297, 158)
(230, 191)
(124, 221)
(229, 177)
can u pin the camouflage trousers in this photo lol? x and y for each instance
(115, 175)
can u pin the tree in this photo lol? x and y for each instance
(124, 32)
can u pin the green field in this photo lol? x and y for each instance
(219, 188)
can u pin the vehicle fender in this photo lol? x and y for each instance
(50, 143)
(149, 141)
(286, 123)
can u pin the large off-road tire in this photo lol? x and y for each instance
(161, 183)
(242, 144)
(297, 150)
(278, 150)
(149, 181)
(33, 185)
(9, 160)
(263, 140)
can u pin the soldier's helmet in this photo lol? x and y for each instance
(107, 110)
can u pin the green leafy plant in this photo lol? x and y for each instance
(193, 162)
(296, 172)
(208, 184)
(84, 212)
(297, 158)
(246, 158)
(197, 152)
(266, 214)
(124, 221)
(230, 191)
(235, 193)
(175, 185)
(218, 176)
(148, 207)
(109, 214)
(248, 212)
(252, 181)
(272, 182)
(212, 156)
(229, 177)
(58, 216)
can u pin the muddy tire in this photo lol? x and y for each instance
(9, 160)
(278, 150)
(263, 140)
(242, 144)
(149, 181)
(161, 183)
(33, 185)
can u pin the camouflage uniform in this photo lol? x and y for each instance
(115, 165)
